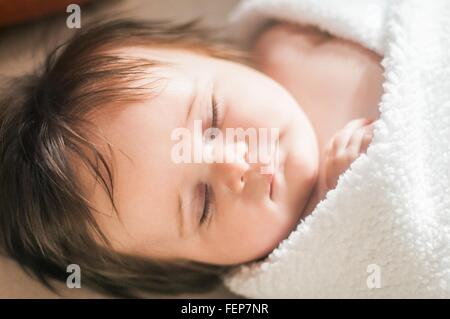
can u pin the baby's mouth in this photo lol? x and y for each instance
(270, 186)
(269, 174)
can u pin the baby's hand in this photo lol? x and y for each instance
(345, 146)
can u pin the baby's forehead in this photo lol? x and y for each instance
(139, 134)
(166, 103)
(160, 108)
(163, 54)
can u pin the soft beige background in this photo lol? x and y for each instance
(22, 47)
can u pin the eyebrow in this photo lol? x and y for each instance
(181, 213)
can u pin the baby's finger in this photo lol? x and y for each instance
(355, 144)
(342, 140)
(367, 139)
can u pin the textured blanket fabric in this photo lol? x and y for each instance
(384, 231)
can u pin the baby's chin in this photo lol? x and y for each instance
(284, 230)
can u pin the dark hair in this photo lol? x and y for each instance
(46, 223)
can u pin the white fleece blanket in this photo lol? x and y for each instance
(384, 231)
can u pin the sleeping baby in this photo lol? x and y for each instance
(87, 172)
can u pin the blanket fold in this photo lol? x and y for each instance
(384, 231)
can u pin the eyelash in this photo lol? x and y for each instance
(214, 112)
(207, 205)
(207, 201)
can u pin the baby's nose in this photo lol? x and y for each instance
(232, 167)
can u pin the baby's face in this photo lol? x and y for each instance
(161, 202)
